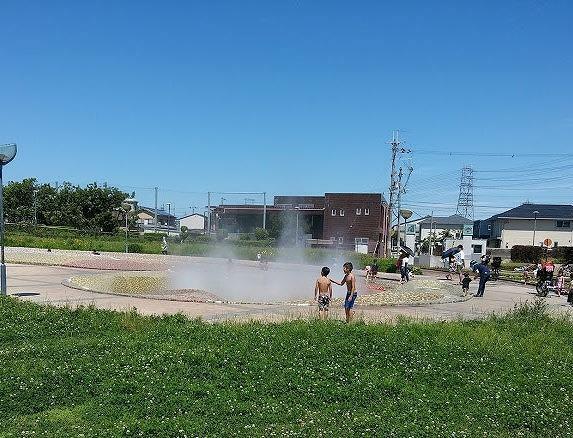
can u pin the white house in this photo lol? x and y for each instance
(194, 222)
(166, 222)
(528, 224)
(419, 229)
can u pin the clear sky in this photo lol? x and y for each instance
(291, 97)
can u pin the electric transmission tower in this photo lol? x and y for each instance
(466, 198)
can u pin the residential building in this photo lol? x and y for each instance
(455, 223)
(166, 222)
(195, 223)
(528, 224)
(355, 221)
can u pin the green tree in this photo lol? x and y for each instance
(89, 208)
(19, 200)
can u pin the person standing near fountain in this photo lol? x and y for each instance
(323, 292)
(351, 293)
(482, 271)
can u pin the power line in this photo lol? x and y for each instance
(489, 154)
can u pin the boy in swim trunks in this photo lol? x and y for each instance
(351, 294)
(323, 292)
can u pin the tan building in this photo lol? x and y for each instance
(528, 224)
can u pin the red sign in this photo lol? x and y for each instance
(547, 242)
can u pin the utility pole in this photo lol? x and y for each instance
(209, 213)
(399, 204)
(395, 187)
(155, 220)
(430, 252)
(264, 210)
(168, 217)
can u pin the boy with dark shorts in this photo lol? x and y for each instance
(351, 294)
(323, 292)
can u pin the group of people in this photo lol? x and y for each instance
(555, 277)
(454, 261)
(323, 291)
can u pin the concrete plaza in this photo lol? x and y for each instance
(43, 285)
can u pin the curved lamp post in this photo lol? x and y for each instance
(7, 154)
(406, 214)
(535, 213)
(126, 206)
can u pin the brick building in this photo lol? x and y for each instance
(341, 220)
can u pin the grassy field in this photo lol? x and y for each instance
(91, 373)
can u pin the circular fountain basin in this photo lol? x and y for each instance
(247, 282)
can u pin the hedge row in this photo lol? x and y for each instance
(533, 254)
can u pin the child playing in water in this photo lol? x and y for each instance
(466, 284)
(560, 283)
(323, 292)
(451, 268)
(351, 294)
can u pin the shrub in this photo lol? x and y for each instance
(384, 265)
(526, 254)
(154, 237)
(134, 248)
(563, 253)
(261, 234)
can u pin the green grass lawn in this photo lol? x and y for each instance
(94, 373)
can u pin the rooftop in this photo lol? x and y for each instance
(454, 219)
(544, 211)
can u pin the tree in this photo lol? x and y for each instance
(89, 208)
(19, 200)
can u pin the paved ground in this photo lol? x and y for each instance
(42, 284)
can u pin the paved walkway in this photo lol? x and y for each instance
(43, 284)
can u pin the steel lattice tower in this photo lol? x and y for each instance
(466, 198)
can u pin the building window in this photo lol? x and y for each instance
(477, 249)
(333, 212)
(489, 227)
(358, 211)
(366, 211)
(563, 224)
(361, 240)
(341, 212)
(340, 240)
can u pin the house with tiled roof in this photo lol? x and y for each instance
(528, 224)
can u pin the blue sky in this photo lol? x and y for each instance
(292, 97)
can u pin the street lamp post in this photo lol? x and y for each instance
(535, 213)
(126, 208)
(35, 209)
(7, 154)
(406, 214)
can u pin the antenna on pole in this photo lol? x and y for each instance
(465, 206)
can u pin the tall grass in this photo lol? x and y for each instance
(91, 373)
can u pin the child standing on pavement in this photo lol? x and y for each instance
(560, 283)
(466, 284)
(351, 294)
(323, 292)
